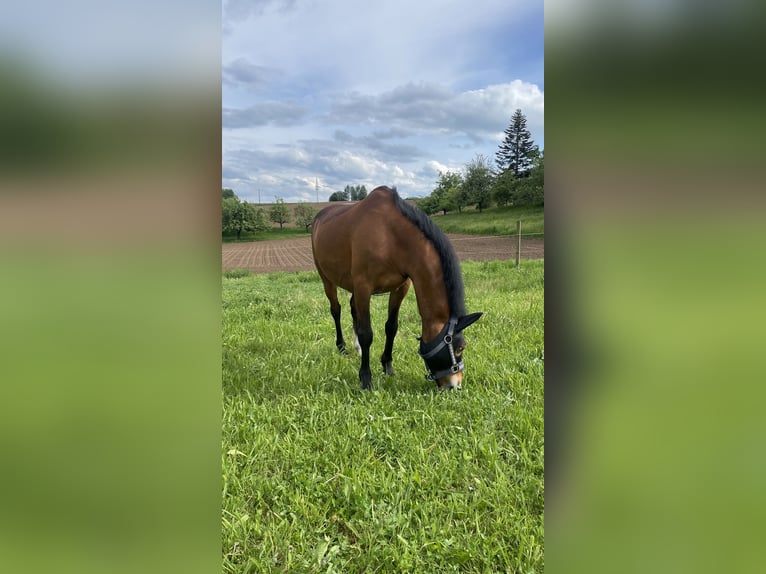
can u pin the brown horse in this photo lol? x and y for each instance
(381, 245)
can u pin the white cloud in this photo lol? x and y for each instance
(385, 93)
(262, 113)
(433, 167)
(413, 108)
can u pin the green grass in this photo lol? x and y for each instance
(319, 476)
(236, 273)
(269, 234)
(493, 221)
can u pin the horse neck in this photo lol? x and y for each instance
(433, 304)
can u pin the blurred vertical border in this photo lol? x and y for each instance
(110, 286)
(655, 286)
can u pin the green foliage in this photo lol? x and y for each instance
(340, 196)
(228, 193)
(531, 190)
(279, 213)
(355, 192)
(503, 188)
(525, 190)
(239, 217)
(517, 151)
(350, 193)
(236, 273)
(305, 214)
(261, 223)
(444, 196)
(477, 182)
(427, 204)
(461, 197)
(270, 233)
(320, 476)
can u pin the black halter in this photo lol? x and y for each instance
(439, 352)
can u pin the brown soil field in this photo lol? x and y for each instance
(295, 254)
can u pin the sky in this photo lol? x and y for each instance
(329, 93)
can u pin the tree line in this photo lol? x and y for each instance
(517, 178)
(238, 216)
(350, 193)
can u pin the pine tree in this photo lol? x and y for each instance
(517, 152)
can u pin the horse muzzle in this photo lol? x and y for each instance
(450, 382)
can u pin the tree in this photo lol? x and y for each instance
(339, 196)
(444, 195)
(229, 208)
(227, 193)
(504, 188)
(261, 223)
(517, 151)
(279, 213)
(238, 216)
(355, 192)
(530, 190)
(460, 197)
(427, 204)
(304, 215)
(477, 182)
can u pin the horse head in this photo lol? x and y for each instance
(443, 356)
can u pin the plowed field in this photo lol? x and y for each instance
(295, 254)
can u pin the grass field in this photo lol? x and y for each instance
(319, 476)
(492, 221)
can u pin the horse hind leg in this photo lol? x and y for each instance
(357, 346)
(332, 295)
(392, 326)
(363, 330)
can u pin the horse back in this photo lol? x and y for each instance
(353, 239)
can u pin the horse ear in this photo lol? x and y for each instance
(467, 321)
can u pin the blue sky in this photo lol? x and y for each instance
(388, 93)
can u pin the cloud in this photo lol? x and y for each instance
(477, 114)
(389, 152)
(228, 172)
(236, 11)
(443, 129)
(433, 168)
(392, 133)
(276, 113)
(290, 172)
(242, 72)
(325, 90)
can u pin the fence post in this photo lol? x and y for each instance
(518, 242)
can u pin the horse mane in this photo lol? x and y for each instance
(453, 278)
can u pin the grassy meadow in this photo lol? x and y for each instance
(319, 476)
(492, 221)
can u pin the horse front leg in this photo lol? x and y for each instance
(363, 330)
(392, 326)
